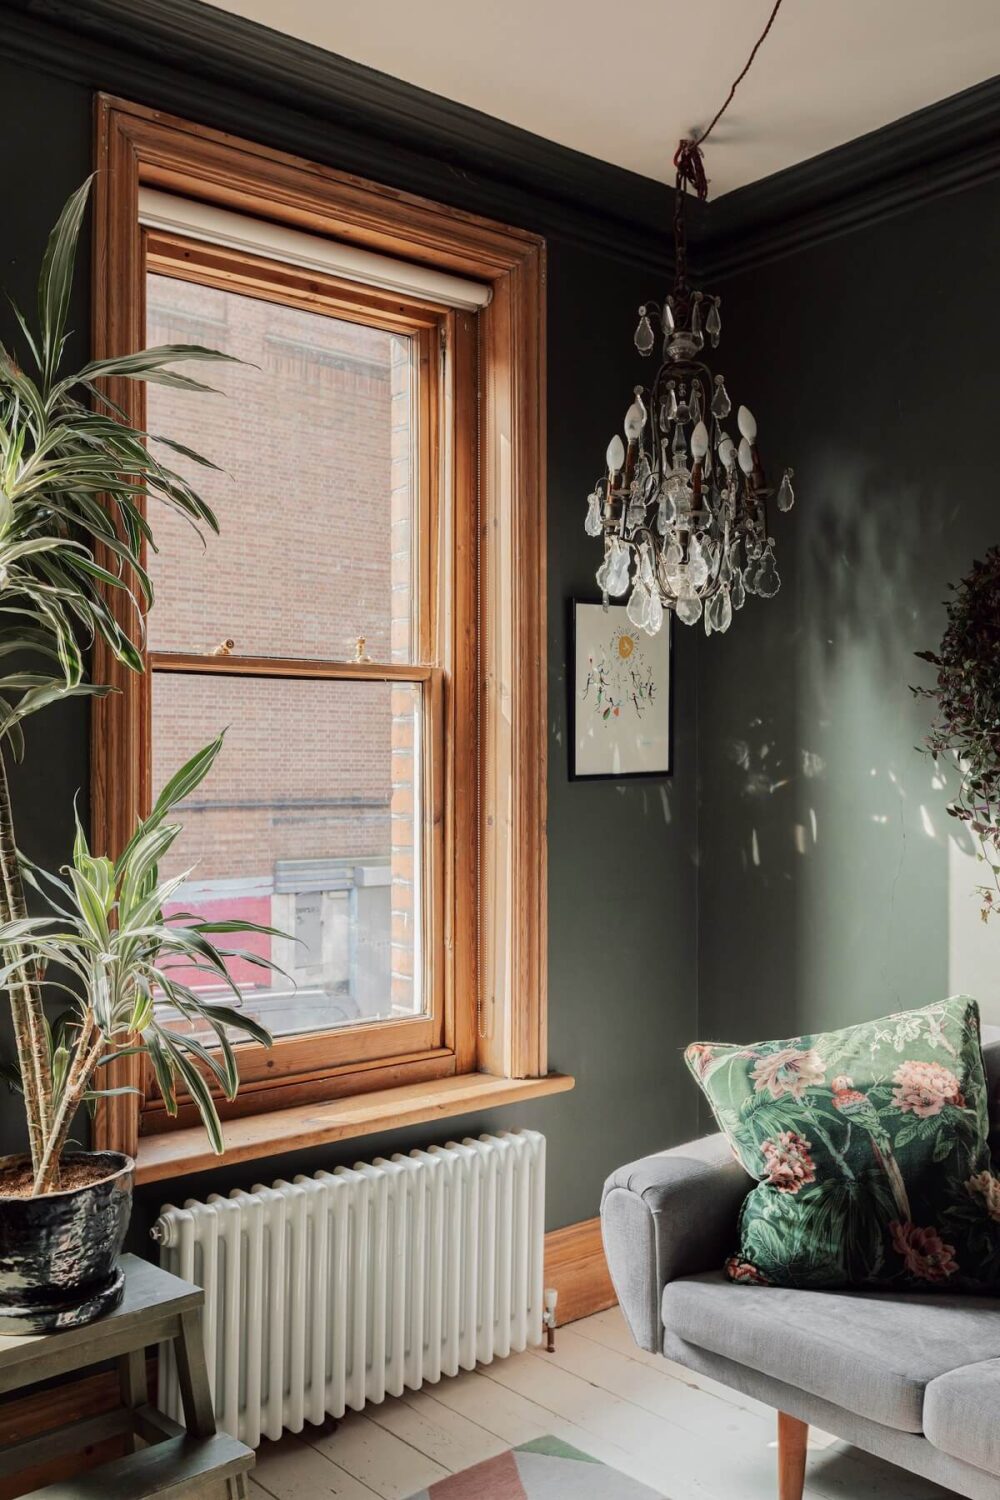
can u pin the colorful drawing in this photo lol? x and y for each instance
(617, 675)
(621, 696)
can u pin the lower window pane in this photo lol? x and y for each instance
(309, 822)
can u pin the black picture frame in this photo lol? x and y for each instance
(666, 708)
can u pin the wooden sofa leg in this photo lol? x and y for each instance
(792, 1438)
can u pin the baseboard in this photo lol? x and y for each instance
(576, 1267)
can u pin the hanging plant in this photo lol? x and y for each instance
(965, 734)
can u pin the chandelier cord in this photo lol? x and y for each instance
(688, 158)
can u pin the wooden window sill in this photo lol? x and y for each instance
(174, 1153)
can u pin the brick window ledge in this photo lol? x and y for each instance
(176, 1153)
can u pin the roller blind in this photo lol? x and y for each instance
(219, 226)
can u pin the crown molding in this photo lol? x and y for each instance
(938, 150)
(195, 60)
(236, 75)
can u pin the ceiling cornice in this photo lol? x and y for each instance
(305, 100)
(196, 60)
(937, 150)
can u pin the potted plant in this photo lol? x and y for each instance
(73, 478)
(966, 728)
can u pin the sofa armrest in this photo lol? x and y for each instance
(669, 1215)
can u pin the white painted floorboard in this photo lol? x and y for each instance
(685, 1436)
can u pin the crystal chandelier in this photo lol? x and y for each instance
(683, 506)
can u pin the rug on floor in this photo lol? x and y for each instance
(546, 1469)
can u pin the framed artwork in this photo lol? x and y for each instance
(620, 718)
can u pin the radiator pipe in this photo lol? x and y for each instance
(549, 1319)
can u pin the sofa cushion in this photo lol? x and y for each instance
(962, 1414)
(991, 1060)
(870, 1147)
(870, 1352)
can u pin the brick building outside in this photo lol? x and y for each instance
(307, 820)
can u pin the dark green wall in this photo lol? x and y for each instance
(621, 857)
(47, 153)
(870, 363)
(820, 892)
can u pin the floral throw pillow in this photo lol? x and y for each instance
(869, 1146)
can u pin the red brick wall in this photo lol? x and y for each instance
(302, 566)
(312, 436)
(307, 560)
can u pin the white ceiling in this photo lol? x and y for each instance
(624, 81)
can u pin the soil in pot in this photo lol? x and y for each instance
(59, 1254)
(15, 1182)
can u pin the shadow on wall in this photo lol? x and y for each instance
(824, 832)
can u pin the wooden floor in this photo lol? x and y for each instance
(681, 1434)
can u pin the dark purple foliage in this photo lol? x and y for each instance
(966, 727)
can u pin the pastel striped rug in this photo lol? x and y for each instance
(546, 1469)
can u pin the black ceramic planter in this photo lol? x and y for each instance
(59, 1254)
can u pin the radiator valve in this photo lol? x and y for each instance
(549, 1319)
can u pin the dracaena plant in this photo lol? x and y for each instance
(107, 944)
(75, 479)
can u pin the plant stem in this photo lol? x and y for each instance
(86, 1056)
(25, 999)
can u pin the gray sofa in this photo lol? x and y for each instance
(914, 1379)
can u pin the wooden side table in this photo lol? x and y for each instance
(164, 1459)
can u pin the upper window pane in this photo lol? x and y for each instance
(314, 434)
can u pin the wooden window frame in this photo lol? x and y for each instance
(493, 1016)
(323, 1064)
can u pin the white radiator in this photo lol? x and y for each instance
(346, 1287)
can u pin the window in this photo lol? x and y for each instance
(368, 626)
(312, 820)
(313, 627)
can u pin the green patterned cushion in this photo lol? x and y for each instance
(869, 1146)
